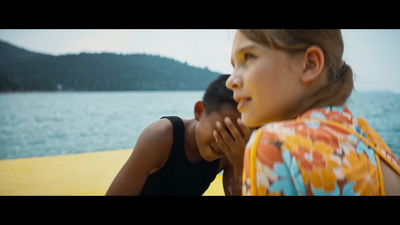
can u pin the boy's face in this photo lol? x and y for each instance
(206, 143)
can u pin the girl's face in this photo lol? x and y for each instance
(267, 83)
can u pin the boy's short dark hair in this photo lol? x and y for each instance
(217, 95)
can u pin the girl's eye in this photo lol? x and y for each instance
(248, 56)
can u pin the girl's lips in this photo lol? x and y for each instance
(243, 103)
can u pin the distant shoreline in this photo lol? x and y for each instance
(361, 90)
(15, 92)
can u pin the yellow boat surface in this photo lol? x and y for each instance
(75, 174)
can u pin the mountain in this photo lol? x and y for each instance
(10, 53)
(374, 90)
(22, 70)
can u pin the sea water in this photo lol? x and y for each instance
(44, 124)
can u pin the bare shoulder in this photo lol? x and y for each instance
(150, 153)
(160, 130)
(391, 180)
(155, 142)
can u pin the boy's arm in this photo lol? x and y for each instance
(151, 152)
(232, 184)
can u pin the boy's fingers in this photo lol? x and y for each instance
(235, 133)
(227, 138)
(246, 130)
(221, 143)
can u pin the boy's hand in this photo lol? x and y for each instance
(233, 146)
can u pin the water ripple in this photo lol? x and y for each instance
(42, 124)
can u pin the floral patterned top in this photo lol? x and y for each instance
(320, 153)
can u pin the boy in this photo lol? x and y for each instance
(173, 156)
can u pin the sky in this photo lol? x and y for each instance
(372, 54)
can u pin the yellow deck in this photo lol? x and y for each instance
(76, 174)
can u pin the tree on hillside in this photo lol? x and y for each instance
(100, 72)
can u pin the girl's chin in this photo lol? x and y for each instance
(249, 121)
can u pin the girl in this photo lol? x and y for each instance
(294, 84)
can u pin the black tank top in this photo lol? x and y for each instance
(179, 176)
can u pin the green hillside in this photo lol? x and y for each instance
(10, 53)
(22, 70)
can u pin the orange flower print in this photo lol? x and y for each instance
(278, 131)
(318, 155)
(361, 172)
(363, 125)
(318, 168)
(315, 158)
(322, 148)
(266, 135)
(265, 177)
(346, 144)
(268, 152)
(309, 160)
(284, 173)
(293, 142)
(246, 164)
(381, 145)
(323, 181)
(323, 134)
(341, 114)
